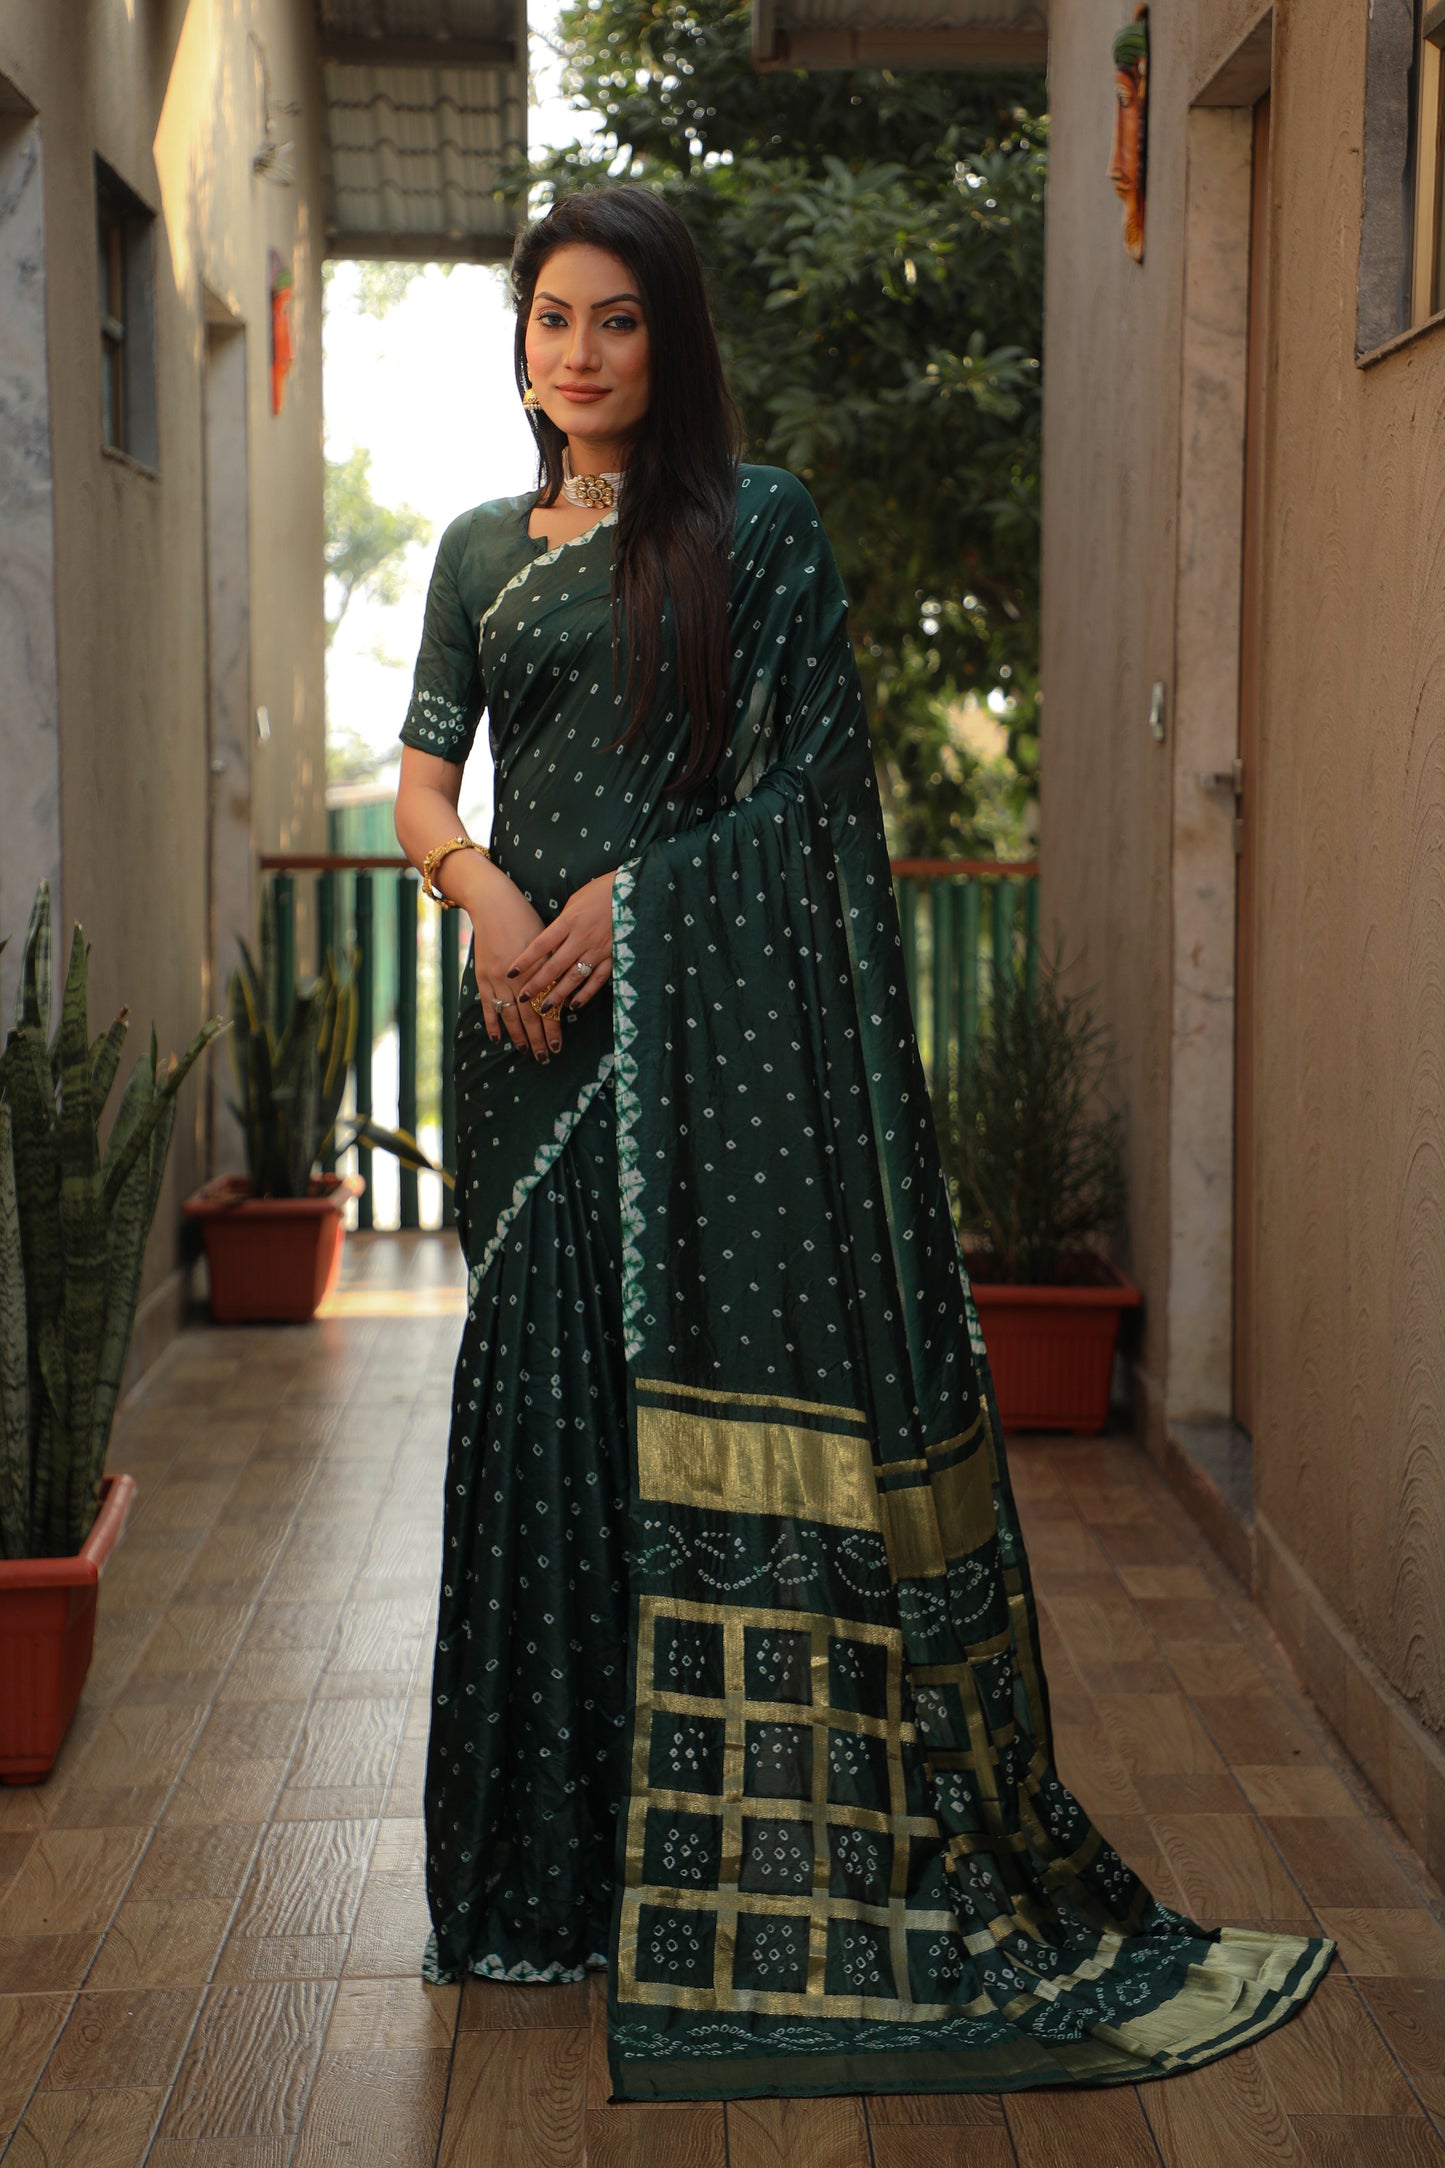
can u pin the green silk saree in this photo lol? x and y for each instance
(777, 1695)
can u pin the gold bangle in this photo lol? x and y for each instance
(434, 858)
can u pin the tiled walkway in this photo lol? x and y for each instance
(211, 1916)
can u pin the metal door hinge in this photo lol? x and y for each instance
(1229, 779)
(1229, 782)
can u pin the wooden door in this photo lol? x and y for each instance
(1251, 632)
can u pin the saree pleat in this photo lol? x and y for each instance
(523, 1780)
(841, 1858)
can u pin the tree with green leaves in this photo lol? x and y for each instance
(365, 541)
(378, 287)
(874, 247)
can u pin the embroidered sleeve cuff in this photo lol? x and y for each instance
(438, 725)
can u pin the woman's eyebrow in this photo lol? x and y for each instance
(607, 304)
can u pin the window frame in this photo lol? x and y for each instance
(1427, 223)
(125, 293)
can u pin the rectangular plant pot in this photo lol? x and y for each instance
(272, 1260)
(47, 1635)
(1051, 1349)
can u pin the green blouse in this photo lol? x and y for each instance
(479, 553)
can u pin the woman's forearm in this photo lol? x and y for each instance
(503, 920)
(425, 817)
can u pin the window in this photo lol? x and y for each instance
(125, 230)
(1427, 271)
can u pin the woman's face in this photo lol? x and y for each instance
(587, 348)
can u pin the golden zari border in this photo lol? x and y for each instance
(767, 1467)
(724, 1399)
(1232, 1990)
(930, 1508)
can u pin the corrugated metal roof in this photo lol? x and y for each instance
(423, 100)
(900, 33)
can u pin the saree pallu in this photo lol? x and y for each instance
(843, 1858)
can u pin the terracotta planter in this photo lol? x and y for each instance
(47, 1634)
(272, 1260)
(1051, 1349)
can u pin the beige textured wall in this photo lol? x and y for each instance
(166, 94)
(1351, 1187)
(1109, 461)
(1350, 1163)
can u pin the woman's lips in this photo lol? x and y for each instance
(582, 394)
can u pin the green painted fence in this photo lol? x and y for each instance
(956, 917)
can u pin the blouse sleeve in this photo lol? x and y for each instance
(447, 695)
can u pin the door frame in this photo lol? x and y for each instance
(1251, 698)
(1198, 1383)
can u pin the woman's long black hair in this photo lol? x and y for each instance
(675, 515)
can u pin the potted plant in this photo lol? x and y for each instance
(1033, 1153)
(273, 1236)
(74, 1221)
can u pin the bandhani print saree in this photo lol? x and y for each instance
(738, 1686)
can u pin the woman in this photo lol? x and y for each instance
(737, 1683)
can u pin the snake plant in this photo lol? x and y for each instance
(1033, 1148)
(74, 1221)
(291, 1086)
(402, 1145)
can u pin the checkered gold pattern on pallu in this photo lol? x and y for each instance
(744, 1864)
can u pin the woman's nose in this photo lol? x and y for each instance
(579, 347)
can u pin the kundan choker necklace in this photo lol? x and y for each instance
(593, 492)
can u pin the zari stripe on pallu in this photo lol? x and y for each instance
(755, 1453)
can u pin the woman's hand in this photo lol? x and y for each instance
(580, 933)
(501, 917)
(427, 797)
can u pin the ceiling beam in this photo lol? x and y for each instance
(898, 48)
(384, 52)
(420, 247)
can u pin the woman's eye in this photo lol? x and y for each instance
(621, 323)
(550, 319)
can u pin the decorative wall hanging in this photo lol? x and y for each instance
(282, 353)
(1128, 164)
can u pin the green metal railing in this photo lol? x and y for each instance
(408, 977)
(957, 917)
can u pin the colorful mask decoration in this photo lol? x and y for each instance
(1131, 105)
(282, 285)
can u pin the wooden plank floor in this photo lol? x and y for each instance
(211, 1916)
